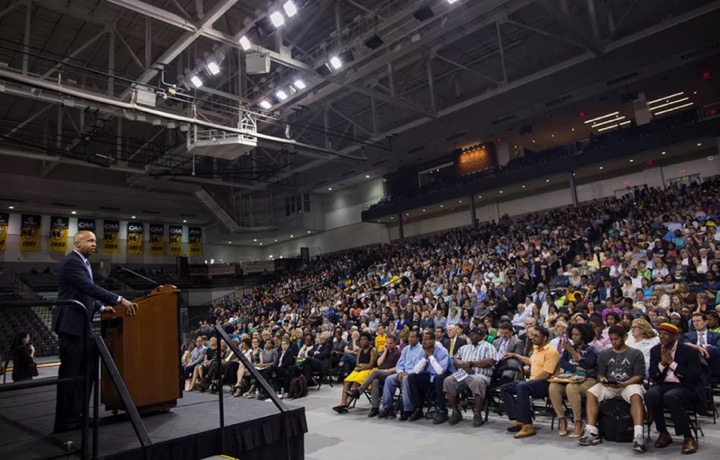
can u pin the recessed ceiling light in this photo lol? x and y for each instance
(600, 168)
(229, 242)
(533, 141)
(309, 231)
(260, 244)
(442, 205)
(133, 217)
(632, 161)
(460, 201)
(424, 210)
(407, 214)
(523, 186)
(479, 196)
(330, 189)
(500, 191)
(276, 241)
(663, 153)
(552, 135)
(73, 212)
(573, 129)
(11, 207)
(292, 236)
(255, 240)
(547, 180)
(392, 218)
(699, 144)
(367, 176)
(184, 221)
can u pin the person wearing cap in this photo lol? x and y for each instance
(474, 363)
(675, 371)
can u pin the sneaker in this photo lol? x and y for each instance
(589, 439)
(250, 395)
(639, 444)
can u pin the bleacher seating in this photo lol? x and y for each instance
(14, 320)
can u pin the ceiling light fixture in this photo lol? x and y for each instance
(677, 107)
(290, 8)
(265, 104)
(277, 19)
(73, 212)
(245, 43)
(682, 99)
(11, 207)
(660, 99)
(213, 67)
(335, 62)
(602, 117)
(614, 120)
(282, 95)
(184, 221)
(196, 81)
(133, 217)
(329, 189)
(299, 84)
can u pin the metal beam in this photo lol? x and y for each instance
(397, 102)
(26, 37)
(464, 67)
(130, 51)
(502, 53)
(593, 20)
(544, 33)
(348, 119)
(571, 26)
(431, 86)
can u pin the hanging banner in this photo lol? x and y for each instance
(4, 220)
(157, 239)
(111, 237)
(176, 233)
(30, 233)
(195, 241)
(135, 238)
(58, 234)
(86, 224)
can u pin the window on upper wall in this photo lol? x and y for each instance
(297, 203)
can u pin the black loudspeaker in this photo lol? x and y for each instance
(374, 42)
(324, 70)
(423, 13)
(182, 268)
(305, 255)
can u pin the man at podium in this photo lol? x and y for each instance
(75, 282)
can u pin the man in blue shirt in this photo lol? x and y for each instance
(409, 357)
(430, 371)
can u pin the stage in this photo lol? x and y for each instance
(191, 431)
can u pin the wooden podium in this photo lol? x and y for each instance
(146, 350)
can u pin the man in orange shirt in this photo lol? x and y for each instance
(543, 365)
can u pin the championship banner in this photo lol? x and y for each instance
(86, 224)
(30, 233)
(135, 238)
(58, 234)
(195, 241)
(176, 233)
(4, 220)
(111, 237)
(157, 237)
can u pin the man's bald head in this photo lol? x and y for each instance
(85, 243)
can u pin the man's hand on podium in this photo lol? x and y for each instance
(130, 307)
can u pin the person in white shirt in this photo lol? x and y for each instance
(642, 337)
(519, 318)
(474, 363)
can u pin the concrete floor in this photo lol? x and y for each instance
(354, 436)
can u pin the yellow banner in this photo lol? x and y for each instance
(4, 220)
(111, 237)
(135, 238)
(30, 233)
(157, 237)
(195, 241)
(176, 233)
(58, 234)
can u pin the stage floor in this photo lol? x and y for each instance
(26, 417)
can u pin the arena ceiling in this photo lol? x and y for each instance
(71, 72)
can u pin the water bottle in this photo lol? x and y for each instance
(282, 393)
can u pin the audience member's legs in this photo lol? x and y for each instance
(655, 406)
(575, 393)
(391, 384)
(507, 393)
(525, 392)
(557, 391)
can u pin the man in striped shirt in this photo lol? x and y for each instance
(474, 364)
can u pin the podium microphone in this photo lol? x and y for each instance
(140, 276)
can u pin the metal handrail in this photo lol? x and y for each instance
(113, 372)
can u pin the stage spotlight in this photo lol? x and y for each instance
(196, 81)
(290, 8)
(423, 13)
(277, 19)
(245, 43)
(374, 42)
(265, 104)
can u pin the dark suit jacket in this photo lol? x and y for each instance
(288, 360)
(688, 371)
(321, 353)
(713, 338)
(74, 283)
(459, 342)
(514, 346)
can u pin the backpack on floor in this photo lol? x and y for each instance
(298, 387)
(615, 421)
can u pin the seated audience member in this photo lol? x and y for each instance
(713, 320)
(599, 343)
(507, 344)
(318, 357)
(578, 358)
(620, 373)
(366, 363)
(338, 349)
(266, 360)
(474, 363)
(210, 355)
(428, 373)
(517, 395)
(197, 356)
(409, 357)
(560, 335)
(380, 337)
(22, 353)
(707, 343)
(282, 371)
(349, 357)
(308, 344)
(453, 341)
(675, 372)
(242, 371)
(642, 337)
(387, 361)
